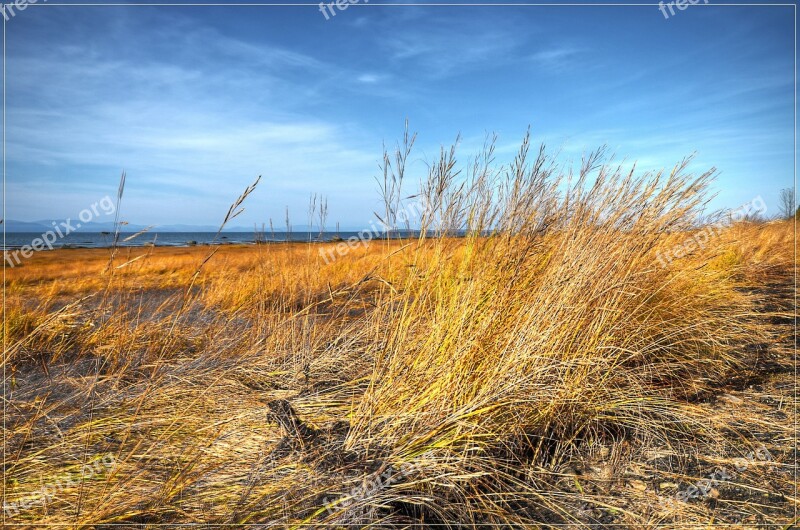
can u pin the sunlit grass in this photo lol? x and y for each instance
(487, 367)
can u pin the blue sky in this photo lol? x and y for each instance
(195, 102)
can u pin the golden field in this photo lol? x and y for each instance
(546, 368)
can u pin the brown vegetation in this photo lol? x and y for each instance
(543, 369)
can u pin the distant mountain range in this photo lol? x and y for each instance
(40, 227)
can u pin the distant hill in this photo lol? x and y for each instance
(42, 226)
(23, 226)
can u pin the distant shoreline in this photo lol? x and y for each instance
(89, 240)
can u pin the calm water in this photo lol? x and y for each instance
(181, 239)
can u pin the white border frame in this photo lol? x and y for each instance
(43, 3)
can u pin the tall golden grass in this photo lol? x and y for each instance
(518, 375)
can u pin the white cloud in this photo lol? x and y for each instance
(371, 78)
(197, 126)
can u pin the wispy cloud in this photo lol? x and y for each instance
(555, 59)
(195, 102)
(371, 78)
(224, 110)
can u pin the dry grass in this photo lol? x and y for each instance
(544, 369)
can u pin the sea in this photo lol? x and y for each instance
(17, 240)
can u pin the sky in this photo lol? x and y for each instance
(194, 102)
